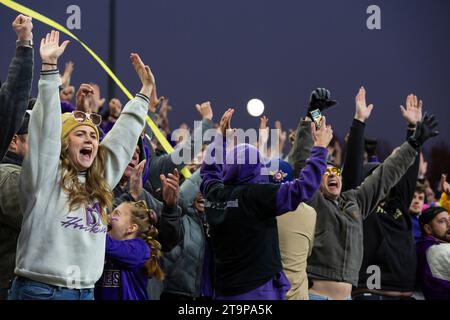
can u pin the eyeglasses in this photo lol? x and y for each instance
(334, 171)
(81, 116)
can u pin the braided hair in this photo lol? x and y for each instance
(141, 215)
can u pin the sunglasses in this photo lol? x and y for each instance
(81, 116)
(334, 171)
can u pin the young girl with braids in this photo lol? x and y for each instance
(132, 254)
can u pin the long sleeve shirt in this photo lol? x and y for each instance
(242, 220)
(338, 246)
(14, 96)
(124, 276)
(59, 246)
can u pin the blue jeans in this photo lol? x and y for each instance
(26, 289)
(317, 297)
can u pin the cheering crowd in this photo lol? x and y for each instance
(93, 207)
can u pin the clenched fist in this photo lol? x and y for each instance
(23, 26)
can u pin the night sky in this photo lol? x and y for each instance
(279, 51)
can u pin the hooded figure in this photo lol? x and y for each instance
(241, 209)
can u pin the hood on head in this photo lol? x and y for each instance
(243, 166)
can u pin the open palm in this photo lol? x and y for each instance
(413, 111)
(50, 49)
(362, 110)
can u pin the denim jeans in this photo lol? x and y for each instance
(26, 289)
(317, 297)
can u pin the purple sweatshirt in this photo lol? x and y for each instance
(433, 265)
(124, 277)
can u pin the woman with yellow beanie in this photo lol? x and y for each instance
(66, 185)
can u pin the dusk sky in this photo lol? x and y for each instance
(278, 51)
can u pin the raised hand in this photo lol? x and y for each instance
(50, 49)
(413, 111)
(320, 99)
(322, 137)
(282, 134)
(115, 108)
(136, 180)
(205, 110)
(170, 188)
(144, 73)
(96, 100)
(23, 27)
(362, 111)
(83, 98)
(67, 93)
(65, 78)
(225, 122)
(424, 131)
(263, 131)
(154, 100)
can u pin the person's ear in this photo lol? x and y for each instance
(132, 228)
(427, 229)
(13, 144)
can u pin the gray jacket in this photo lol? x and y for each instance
(338, 246)
(14, 96)
(10, 221)
(184, 264)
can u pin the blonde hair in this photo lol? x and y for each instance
(94, 189)
(140, 215)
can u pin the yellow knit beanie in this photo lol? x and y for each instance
(69, 123)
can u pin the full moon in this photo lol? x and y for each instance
(255, 107)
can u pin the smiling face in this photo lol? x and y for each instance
(331, 183)
(83, 147)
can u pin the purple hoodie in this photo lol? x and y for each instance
(124, 277)
(238, 171)
(434, 284)
(244, 268)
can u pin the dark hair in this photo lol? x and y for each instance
(428, 215)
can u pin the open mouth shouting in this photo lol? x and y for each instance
(86, 153)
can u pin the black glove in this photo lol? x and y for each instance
(320, 99)
(424, 131)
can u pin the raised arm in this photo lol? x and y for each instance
(376, 187)
(404, 189)
(303, 143)
(188, 147)
(170, 224)
(42, 161)
(121, 141)
(354, 157)
(15, 92)
(211, 169)
(292, 193)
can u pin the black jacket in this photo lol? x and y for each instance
(14, 96)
